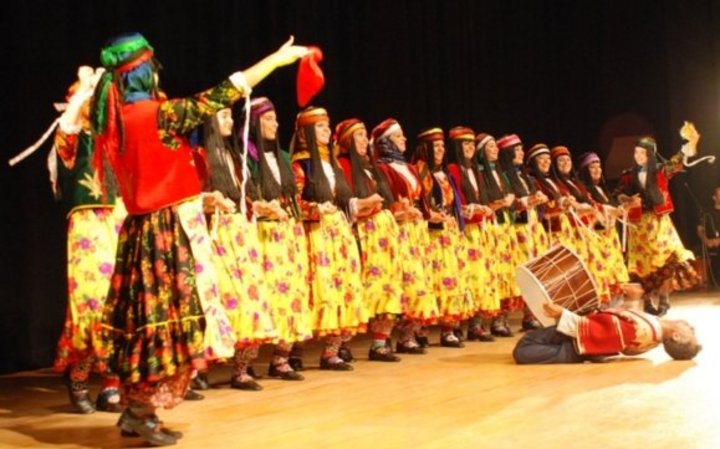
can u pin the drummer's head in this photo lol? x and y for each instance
(679, 340)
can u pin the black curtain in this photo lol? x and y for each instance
(560, 72)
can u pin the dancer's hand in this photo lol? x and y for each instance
(289, 53)
(552, 310)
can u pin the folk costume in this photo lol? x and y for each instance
(336, 293)
(94, 217)
(576, 338)
(530, 235)
(447, 254)
(411, 212)
(657, 257)
(605, 228)
(506, 245)
(479, 240)
(236, 246)
(163, 315)
(377, 234)
(283, 244)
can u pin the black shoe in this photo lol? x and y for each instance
(192, 395)
(382, 355)
(448, 343)
(247, 385)
(499, 328)
(291, 374)
(126, 430)
(478, 333)
(648, 307)
(296, 363)
(346, 354)
(401, 348)
(251, 372)
(326, 364)
(422, 340)
(662, 308)
(458, 333)
(78, 395)
(151, 429)
(104, 405)
(200, 382)
(531, 324)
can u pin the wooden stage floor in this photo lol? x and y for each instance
(473, 397)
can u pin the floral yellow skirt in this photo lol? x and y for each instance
(612, 250)
(505, 258)
(413, 246)
(656, 254)
(381, 272)
(531, 238)
(91, 247)
(240, 267)
(448, 262)
(285, 270)
(336, 287)
(483, 279)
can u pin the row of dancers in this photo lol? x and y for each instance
(180, 256)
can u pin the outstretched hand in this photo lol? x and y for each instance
(552, 310)
(289, 53)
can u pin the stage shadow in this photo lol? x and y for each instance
(79, 435)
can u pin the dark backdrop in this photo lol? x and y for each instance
(563, 72)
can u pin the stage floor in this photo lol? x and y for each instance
(474, 397)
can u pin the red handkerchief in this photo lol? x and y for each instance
(310, 78)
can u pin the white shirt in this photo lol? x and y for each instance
(273, 164)
(405, 172)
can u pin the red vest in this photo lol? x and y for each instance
(151, 175)
(634, 214)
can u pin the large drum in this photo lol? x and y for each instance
(558, 276)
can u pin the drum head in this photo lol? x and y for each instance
(534, 294)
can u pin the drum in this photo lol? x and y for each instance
(558, 276)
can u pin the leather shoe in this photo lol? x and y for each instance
(291, 374)
(401, 348)
(478, 333)
(78, 395)
(458, 333)
(200, 382)
(148, 428)
(326, 364)
(422, 340)
(382, 355)
(346, 354)
(500, 329)
(296, 363)
(251, 372)
(192, 395)
(247, 385)
(648, 307)
(126, 430)
(450, 343)
(103, 403)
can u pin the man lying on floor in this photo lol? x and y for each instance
(576, 339)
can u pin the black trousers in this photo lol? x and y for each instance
(546, 345)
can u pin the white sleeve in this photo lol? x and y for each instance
(352, 205)
(568, 323)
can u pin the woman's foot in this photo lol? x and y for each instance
(109, 401)
(334, 363)
(382, 354)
